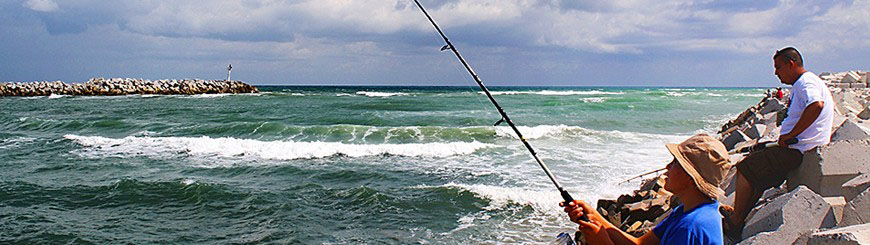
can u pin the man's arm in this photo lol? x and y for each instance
(810, 114)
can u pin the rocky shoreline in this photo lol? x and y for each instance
(125, 86)
(825, 201)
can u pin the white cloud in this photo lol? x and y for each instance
(41, 5)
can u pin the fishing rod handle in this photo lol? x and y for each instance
(565, 196)
(568, 199)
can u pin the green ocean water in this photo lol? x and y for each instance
(331, 164)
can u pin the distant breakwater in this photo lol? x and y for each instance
(125, 86)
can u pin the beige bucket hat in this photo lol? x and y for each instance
(705, 159)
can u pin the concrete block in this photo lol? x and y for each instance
(837, 206)
(850, 77)
(838, 85)
(734, 138)
(857, 211)
(771, 106)
(755, 131)
(865, 78)
(851, 129)
(787, 217)
(846, 102)
(856, 234)
(825, 169)
(839, 119)
(865, 114)
(768, 119)
(855, 186)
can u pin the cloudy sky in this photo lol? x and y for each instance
(390, 42)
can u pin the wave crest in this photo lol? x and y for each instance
(278, 150)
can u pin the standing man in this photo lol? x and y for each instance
(810, 119)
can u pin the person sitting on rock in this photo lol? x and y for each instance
(809, 119)
(699, 165)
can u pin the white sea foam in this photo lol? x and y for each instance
(15, 142)
(343, 94)
(564, 131)
(380, 94)
(594, 100)
(555, 93)
(55, 96)
(499, 196)
(208, 95)
(676, 94)
(279, 150)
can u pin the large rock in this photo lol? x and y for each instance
(855, 186)
(846, 102)
(825, 169)
(857, 211)
(851, 129)
(771, 105)
(837, 205)
(734, 138)
(787, 217)
(755, 131)
(856, 234)
(850, 77)
(865, 114)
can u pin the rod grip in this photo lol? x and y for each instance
(568, 199)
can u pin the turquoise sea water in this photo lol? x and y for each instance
(331, 164)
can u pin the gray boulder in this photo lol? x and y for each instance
(825, 169)
(755, 131)
(851, 129)
(837, 203)
(856, 234)
(865, 114)
(857, 211)
(771, 105)
(734, 138)
(855, 186)
(787, 217)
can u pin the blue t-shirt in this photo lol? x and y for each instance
(701, 225)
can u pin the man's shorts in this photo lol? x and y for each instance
(768, 167)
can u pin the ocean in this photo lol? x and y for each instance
(312, 165)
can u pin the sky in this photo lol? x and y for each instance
(390, 42)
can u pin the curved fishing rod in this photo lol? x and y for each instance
(504, 116)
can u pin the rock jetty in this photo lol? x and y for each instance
(125, 86)
(825, 201)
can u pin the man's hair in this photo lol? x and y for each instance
(790, 53)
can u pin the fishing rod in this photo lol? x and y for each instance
(752, 148)
(504, 117)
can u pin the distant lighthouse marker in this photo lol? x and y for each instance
(229, 70)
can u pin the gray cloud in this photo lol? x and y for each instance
(377, 41)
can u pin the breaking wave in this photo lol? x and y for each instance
(380, 94)
(278, 150)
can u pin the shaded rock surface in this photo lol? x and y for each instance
(856, 234)
(125, 86)
(857, 211)
(787, 217)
